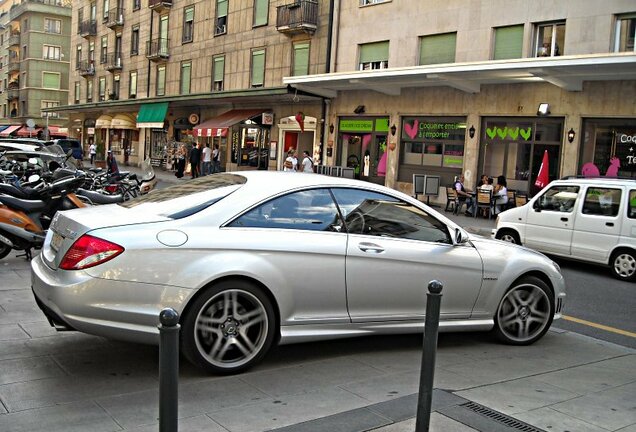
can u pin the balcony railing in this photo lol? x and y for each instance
(13, 94)
(297, 17)
(14, 39)
(13, 65)
(87, 28)
(115, 18)
(159, 5)
(86, 68)
(157, 49)
(113, 62)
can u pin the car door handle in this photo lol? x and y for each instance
(370, 247)
(564, 219)
(609, 224)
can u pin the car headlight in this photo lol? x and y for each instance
(557, 267)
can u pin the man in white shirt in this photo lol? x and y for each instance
(307, 165)
(92, 150)
(291, 163)
(207, 158)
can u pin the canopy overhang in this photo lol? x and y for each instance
(123, 121)
(103, 121)
(8, 131)
(152, 115)
(25, 132)
(217, 126)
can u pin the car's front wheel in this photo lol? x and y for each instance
(623, 265)
(508, 235)
(525, 312)
(229, 328)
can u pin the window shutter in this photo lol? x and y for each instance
(374, 52)
(185, 78)
(261, 8)
(301, 59)
(508, 42)
(50, 80)
(221, 8)
(219, 66)
(189, 14)
(438, 48)
(258, 67)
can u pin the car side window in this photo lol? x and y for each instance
(631, 207)
(558, 198)
(376, 214)
(602, 201)
(313, 210)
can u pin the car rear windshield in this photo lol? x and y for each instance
(189, 197)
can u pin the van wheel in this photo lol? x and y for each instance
(508, 236)
(4, 250)
(623, 264)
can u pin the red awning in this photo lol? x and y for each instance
(24, 132)
(8, 131)
(58, 131)
(217, 126)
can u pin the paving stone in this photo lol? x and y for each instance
(554, 421)
(34, 368)
(12, 332)
(199, 423)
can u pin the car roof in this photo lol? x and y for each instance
(598, 181)
(19, 146)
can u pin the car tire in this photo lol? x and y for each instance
(509, 236)
(4, 250)
(623, 265)
(525, 312)
(229, 327)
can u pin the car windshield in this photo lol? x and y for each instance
(187, 198)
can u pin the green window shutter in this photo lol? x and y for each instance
(221, 8)
(161, 81)
(261, 9)
(189, 14)
(258, 67)
(219, 68)
(508, 42)
(374, 52)
(301, 59)
(50, 80)
(186, 69)
(438, 48)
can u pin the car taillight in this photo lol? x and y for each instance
(89, 251)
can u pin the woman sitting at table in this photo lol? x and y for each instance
(500, 195)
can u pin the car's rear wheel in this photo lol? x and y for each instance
(229, 328)
(525, 312)
(4, 250)
(508, 235)
(623, 263)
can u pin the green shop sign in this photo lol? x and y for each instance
(512, 132)
(418, 129)
(356, 126)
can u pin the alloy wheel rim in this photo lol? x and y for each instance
(508, 238)
(231, 328)
(524, 312)
(625, 265)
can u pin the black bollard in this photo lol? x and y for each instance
(427, 372)
(168, 370)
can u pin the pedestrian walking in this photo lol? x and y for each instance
(216, 159)
(207, 160)
(195, 160)
(92, 151)
(307, 165)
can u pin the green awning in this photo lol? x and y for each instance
(152, 115)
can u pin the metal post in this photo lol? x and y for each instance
(168, 370)
(425, 399)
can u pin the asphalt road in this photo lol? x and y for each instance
(594, 296)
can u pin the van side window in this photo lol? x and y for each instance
(602, 201)
(558, 198)
(631, 207)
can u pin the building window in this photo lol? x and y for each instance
(136, 5)
(49, 104)
(549, 40)
(78, 92)
(371, 2)
(105, 9)
(261, 10)
(134, 40)
(188, 24)
(301, 59)
(52, 26)
(91, 51)
(89, 91)
(132, 85)
(51, 52)
(186, 71)
(114, 93)
(258, 68)
(93, 9)
(221, 17)
(51, 80)
(102, 89)
(104, 50)
(161, 80)
(78, 57)
(218, 66)
(439, 48)
(508, 42)
(625, 33)
(374, 56)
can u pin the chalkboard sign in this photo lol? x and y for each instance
(425, 185)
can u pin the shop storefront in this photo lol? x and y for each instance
(608, 148)
(124, 138)
(292, 136)
(362, 145)
(514, 147)
(151, 118)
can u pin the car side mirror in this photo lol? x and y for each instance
(460, 237)
(537, 206)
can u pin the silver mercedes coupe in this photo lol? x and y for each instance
(256, 258)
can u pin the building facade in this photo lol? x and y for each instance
(479, 88)
(34, 67)
(148, 75)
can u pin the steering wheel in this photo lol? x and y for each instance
(356, 218)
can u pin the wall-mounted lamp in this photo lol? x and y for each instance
(393, 130)
(471, 132)
(544, 109)
(571, 135)
(331, 128)
(359, 109)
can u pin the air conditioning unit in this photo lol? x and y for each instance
(220, 29)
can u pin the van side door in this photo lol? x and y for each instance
(598, 226)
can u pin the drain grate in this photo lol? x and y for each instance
(500, 418)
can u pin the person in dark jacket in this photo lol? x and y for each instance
(111, 163)
(195, 160)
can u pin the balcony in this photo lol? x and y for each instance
(13, 65)
(298, 17)
(159, 5)
(86, 68)
(14, 39)
(157, 50)
(13, 94)
(112, 62)
(87, 28)
(115, 19)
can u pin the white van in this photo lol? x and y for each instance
(587, 219)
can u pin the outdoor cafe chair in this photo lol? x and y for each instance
(520, 199)
(451, 199)
(484, 200)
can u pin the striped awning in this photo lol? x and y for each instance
(217, 126)
(8, 131)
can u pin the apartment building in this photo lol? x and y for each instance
(34, 67)
(147, 74)
(481, 87)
